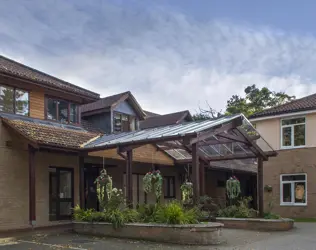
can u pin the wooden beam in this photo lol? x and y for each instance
(81, 182)
(233, 138)
(202, 179)
(225, 127)
(32, 186)
(260, 187)
(129, 179)
(254, 145)
(195, 173)
(123, 149)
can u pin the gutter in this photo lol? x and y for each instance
(283, 115)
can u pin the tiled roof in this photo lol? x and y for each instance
(302, 104)
(10, 67)
(103, 103)
(48, 134)
(150, 114)
(164, 120)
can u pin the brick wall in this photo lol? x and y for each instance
(290, 162)
(14, 184)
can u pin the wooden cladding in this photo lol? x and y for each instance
(37, 100)
(147, 153)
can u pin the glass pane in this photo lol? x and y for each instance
(172, 191)
(63, 111)
(300, 194)
(124, 118)
(293, 121)
(165, 187)
(73, 113)
(117, 123)
(299, 177)
(287, 193)
(65, 184)
(6, 99)
(299, 135)
(65, 208)
(21, 102)
(51, 109)
(286, 132)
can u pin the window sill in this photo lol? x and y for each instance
(293, 204)
(297, 147)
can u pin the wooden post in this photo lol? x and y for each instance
(129, 178)
(260, 187)
(32, 187)
(195, 173)
(202, 179)
(81, 182)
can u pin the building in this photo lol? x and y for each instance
(55, 137)
(289, 129)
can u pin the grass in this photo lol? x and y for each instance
(305, 219)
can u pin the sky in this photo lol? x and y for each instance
(171, 54)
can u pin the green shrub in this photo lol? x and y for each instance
(116, 217)
(241, 210)
(174, 213)
(147, 212)
(271, 216)
(131, 215)
(81, 214)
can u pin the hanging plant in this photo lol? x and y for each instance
(187, 192)
(233, 188)
(104, 188)
(152, 182)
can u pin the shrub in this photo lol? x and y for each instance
(241, 210)
(147, 212)
(271, 216)
(116, 217)
(131, 215)
(174, 213)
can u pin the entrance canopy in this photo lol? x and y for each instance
(226, 138)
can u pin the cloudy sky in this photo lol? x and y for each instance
(173, 55)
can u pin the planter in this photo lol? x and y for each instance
(195, 234)
(257, 224)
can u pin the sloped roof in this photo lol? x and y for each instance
(164, 120)
(303, 104)
(150, 114)
(13, 68)
(48, 133)
(111, 101)
(90, 127)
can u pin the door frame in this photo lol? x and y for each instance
(59, 200)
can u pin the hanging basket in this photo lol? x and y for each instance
(152, 182)
(233, 188)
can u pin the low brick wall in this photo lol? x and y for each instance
(257, 224)
(197, 234)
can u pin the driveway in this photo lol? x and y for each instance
(302, 237)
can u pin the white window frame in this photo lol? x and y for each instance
(292, 203)
(292, 132)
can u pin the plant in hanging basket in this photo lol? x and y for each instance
(268, 188)
(187, 192)
(233, 188)
(104, 188)
(152, 182)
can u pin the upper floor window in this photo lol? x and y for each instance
(13, 100)
(293, 132)
(124, 123)
(293, 189)
(62, 111)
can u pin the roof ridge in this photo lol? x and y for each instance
(48, 75)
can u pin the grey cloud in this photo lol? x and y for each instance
(169, 61)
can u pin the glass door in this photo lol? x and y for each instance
(61, 193)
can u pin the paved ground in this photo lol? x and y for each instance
(302, 237)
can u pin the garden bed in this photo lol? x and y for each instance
(257, 224)
(193, 234)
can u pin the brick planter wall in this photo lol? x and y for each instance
(257, 224)
(198, 234)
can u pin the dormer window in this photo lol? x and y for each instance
(61, 110)
(123, 122)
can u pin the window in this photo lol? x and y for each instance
(122, 123)
(293, 132)
(293, 189)
(62, 111)
(169, 187)
(14, 100)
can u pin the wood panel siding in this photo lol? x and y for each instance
(37, 100)
(147, 153)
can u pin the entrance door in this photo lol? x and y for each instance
(91, 197)
(61, 193)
